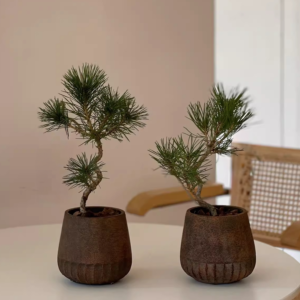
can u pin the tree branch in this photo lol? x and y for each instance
(89, 107)
(99, 174)
(221, 117)
(114, 129)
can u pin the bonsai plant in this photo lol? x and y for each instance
(94, 245)
(214, 237)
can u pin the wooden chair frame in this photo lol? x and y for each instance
(266, 181)
(143, 202)
(255, 171)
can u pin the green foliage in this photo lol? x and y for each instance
(217, 120)
(220, 118)
(94, 111)
(83, 171)
(121, 114)
(182, 160)
(54, 115)
(84, 86)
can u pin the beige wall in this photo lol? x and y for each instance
(160, 50)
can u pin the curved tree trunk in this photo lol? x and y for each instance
(95, 183)
(84, 198)
(203, 203)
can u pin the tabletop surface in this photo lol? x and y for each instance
(28, 270)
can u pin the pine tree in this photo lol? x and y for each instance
(217, 120)
(94, 111)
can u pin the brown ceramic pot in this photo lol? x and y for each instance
(94, 250)
(217, 249)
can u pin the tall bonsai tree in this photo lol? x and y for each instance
(217, 121)
(95, 112)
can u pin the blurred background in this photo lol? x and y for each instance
(257, 46)
(167, 53)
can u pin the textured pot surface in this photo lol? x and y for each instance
(94, 250)
(217, 249)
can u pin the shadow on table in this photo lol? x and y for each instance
(174, 282)
(137, 278)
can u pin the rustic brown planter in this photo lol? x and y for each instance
(217, 249)
(94, 250)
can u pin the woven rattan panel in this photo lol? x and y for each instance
(273, 195)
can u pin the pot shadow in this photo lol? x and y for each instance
(67, 289)
(141, 279)
(77, 285)
(137, 278)
(262, 282)
(220, 291)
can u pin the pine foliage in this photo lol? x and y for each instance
(222, 116)
(83, 171)
(54, 115)
(182, 160)
(94, 111)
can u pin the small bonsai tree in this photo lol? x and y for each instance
(95, 112)
(217, 121)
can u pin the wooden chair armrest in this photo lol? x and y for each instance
(272, 241)
(143, 202)
(291, 236)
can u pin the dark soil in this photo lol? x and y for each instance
(105, 212)
(221, 210)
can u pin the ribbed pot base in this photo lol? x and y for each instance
(94, 273)
(218, 273)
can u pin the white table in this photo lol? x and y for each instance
(28, 270)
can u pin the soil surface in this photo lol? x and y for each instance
(105, 212)
(221, 210)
